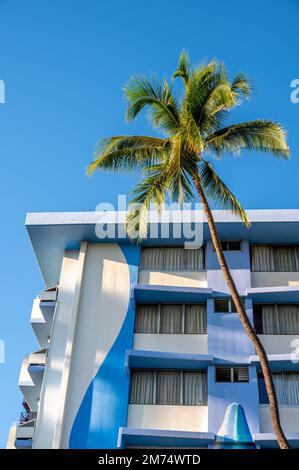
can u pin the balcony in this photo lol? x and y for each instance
(31, 377)
(168, 417)
(42, 315)
(48, 295)
(274, 279)
(21, 436)
(174, 278)
(177, 343)
(289, 416)
(173, 266)
(280, 344)
(274, 265)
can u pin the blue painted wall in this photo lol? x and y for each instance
(220, 395)
(239, 264)
(227, 339)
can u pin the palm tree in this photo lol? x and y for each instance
(173, 165)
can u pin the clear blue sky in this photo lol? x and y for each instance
(64, 63)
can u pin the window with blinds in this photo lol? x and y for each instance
(171, 319)
(225, 305)
(286, 387)
(172, 259)
(276, 319)
(168, 387)
(275, 258)
(231, 374)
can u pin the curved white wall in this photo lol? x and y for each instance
(105, 293)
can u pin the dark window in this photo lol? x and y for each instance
(231, 245)
(226, 305)
(231, 374)
(221, 306)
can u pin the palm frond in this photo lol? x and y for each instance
(163, 107)
(178, 170)
(208, 93)
(151, 189)
(260, 135)
(123, 153)
(183, 69)
(218, 192)
(242, 85)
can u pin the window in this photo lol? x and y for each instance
(168, 387)
(276, 319)
(231, 374)
(275, 258)
(171, 319)
(172, 259)
(231, 245)
(286, 386)
(225, 305)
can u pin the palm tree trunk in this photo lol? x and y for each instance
(274, 411)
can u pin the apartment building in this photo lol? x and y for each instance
(139, 345)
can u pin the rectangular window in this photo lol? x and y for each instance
(275, 258)
(231, 374)
(168, 387)
(276, 319)
(172, 259)
(231, 245)
(286, 386)
(225, 305)
(171, 319)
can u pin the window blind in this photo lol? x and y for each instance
(171, 319)
(168, 387)
(267, 258)
(280, 319)
(287, 388)
(172, 259)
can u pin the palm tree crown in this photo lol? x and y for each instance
(193, 128)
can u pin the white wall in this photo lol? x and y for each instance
(47, 416)
(193, 344)
(277, 279)
(175, 278)
(168, 417)
(11, 437)
(289, 416)
(280, 344)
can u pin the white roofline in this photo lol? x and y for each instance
(93, 217)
